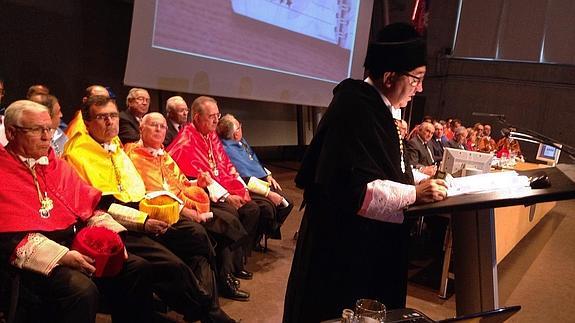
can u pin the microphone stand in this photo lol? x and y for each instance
(535, 137)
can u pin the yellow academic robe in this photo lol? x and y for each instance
(113, 173)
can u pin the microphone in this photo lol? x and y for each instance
(486, 114)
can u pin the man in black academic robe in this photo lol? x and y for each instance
(350, 246)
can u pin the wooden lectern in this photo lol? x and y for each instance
(474, 246)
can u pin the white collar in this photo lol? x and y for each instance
(155, 152)
(176, 125)
(111, 148)
(31, 162)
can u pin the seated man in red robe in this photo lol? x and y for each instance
(43, 205)
(161, 173)
(198, 149)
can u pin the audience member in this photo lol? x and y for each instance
(197, 149)
(402, 128)
(59, 138)
(418, 152)
(77, 123)
(37, 231)
(471, 141)
(187, 286)
(507, 146)
(37, 89)
(138, 103)
(459, 138)
(478, 127)
(486, 143)
(353, 240)
(436, 143)
(450, 131)
(176, 115)
(248, 165)
(415, 129)
(160, 172)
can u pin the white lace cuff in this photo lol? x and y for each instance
(130, 218)
(103, 219)
(419, 176)
(216, 191)
(37, 253)
(385, 200)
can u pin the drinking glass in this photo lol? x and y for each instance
(369, 311)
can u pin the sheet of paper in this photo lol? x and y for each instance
(489, 182)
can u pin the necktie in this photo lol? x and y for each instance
(429, 152)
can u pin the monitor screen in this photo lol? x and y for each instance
(458, 162)
(548, 154)
(266, 50)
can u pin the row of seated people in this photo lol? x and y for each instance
(426, 141)
(185, 259)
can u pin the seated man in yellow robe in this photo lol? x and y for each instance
(103, 164)
(161, 173)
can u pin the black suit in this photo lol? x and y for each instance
(129, 127)
(171, 133)
(454, 144)
(436, 148)
(417, 154)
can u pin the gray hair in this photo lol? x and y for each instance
(13, 113)
(133, 93)
(151, 114)
(197, 105)
(47, 100)
(226, 127)
(459, 131)
(171, 103)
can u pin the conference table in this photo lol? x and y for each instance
(474, 236)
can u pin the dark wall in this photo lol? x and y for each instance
(66, 45)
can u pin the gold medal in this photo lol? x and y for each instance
(46, 206)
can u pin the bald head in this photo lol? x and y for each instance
(153, 130)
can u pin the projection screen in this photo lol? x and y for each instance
(289, 51)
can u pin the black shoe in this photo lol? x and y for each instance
(228, 289)
(243, 274)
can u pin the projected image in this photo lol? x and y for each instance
(308, 38)
(328, 20)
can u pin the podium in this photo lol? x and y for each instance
(472, 217)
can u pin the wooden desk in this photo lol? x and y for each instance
(512, 223)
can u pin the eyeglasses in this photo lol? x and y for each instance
(105, 116)
(415, 80)
(156, 125)
(36, 131)
(215, 116)
(142, 99)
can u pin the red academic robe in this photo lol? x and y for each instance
(190, 150)
(21, 225)
(73, 198)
